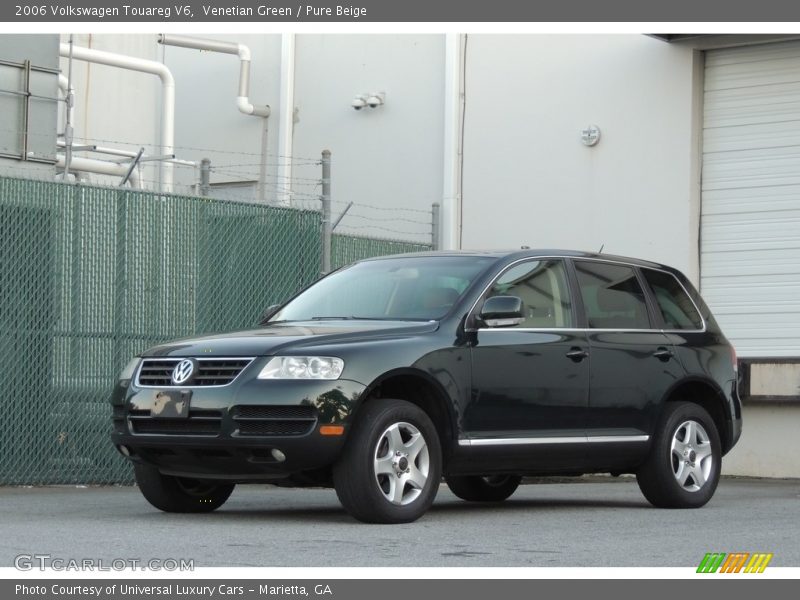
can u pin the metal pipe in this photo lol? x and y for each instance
(101, 167)
(205, 176)
(167, 94)
(243, 52)
(327, 230)
(286, 119)
(436, 210)
(69, 93)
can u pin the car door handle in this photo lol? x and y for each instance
(663, 354)
(576, 354)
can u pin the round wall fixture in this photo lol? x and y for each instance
(591, 135)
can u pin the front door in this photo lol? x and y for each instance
(530, 381)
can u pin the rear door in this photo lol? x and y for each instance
(632, 362)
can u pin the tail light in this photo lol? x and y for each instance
(735, 360)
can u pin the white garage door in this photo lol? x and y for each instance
(750, 236)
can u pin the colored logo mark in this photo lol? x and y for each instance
(736, 562)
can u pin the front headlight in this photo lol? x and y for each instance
(302, 367)
(129, 369)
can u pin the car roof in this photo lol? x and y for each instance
(516, 254)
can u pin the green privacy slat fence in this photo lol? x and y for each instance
(90, 276)
(348, 248)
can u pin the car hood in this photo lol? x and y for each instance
(280, 337)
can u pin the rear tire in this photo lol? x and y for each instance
(391, 466)
(179, 494)
(476, 488)
(682, 470)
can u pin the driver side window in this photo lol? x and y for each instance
(542, 287)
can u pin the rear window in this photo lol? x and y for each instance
(677, 309)
(612, 296)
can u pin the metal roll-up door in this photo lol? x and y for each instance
(750, 227)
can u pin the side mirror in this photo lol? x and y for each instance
(502, 311)
(271, 310)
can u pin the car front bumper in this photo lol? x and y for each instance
(249, 431)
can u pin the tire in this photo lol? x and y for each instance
(683, 467)
(493, 488)
(178, 494)
(374, 483)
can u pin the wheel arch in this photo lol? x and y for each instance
(707, 394)
(421, 389)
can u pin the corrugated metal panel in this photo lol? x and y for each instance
(750, 239)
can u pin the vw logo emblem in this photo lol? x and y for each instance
(183, 372)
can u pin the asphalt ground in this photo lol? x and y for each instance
(601, 522)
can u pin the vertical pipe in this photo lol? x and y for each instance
(26, 110)
(68, 133)
(286, 119)
(326, 211)
(205, 176)
(262, 167)
(453, 113)
(435, 225)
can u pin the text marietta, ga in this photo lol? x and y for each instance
(172, 589)
(166, 12)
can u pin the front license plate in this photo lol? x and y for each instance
(172, 404)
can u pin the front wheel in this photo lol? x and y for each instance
(391, 466)
(490, 488)
(682, 470)
(179, 494)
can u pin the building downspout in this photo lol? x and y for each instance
(286, 120)
(243, 103)
(69, 92)
(453, 142)
(167, 96)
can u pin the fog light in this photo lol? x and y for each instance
(124, 450)
(278, 455)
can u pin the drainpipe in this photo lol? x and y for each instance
(243, 98)
(167, 95)
(69, 97)
(101, 167)
(286, 119)
(453, 142)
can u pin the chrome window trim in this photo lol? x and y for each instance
(577, 439)
(688, 295)
(575, 258)
(249, 360)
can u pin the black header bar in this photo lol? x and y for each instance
(286, 11)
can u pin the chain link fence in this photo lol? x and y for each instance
(90, 276)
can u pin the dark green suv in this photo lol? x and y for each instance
(479, 367)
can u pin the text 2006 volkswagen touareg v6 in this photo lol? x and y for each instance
(481, 367)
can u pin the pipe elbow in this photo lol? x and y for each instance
(245, 106)
(244, 52)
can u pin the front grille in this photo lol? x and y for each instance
(157, 372)
(274, 420)
(200, 422)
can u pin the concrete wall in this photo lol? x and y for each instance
(529, 180)
(769, 446)
(389, 156)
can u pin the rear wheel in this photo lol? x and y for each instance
(180, 494)
(490, 488)
(682, 470)
(391, 466)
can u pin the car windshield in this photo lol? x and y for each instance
(397, 289)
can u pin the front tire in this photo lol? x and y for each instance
(490, 488)
(682, 470)
(391, 466)
(179, 494)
